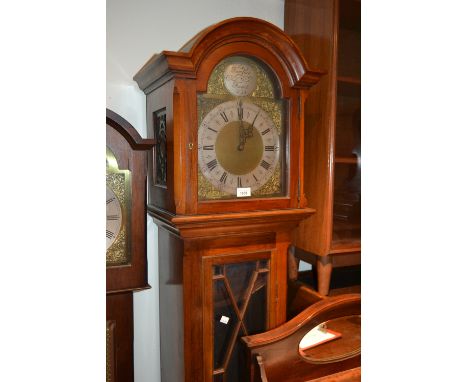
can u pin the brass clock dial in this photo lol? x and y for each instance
(238, 146)
(241, 132)
(118, 205)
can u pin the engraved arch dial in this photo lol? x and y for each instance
(238, 146)
(240, 79)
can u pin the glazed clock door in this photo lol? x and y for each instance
(237, 287)
(242, 130)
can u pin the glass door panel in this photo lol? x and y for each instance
(225, 322)
(348, 123)
(240, 305)
(349, 40)
(347, 203)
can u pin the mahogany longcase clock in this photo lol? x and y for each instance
(126, 265)
(225, 188)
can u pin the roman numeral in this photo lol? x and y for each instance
(269, 148)
(265, 165)
(110, 234)
(255, 177)
(239, 181)
(209, 128)
(112, 217)
(265, 131)
(110, 200)
(211, 165)
(223, 177)
(209, 147)
(224, 116)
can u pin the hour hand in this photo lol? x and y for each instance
(240, 116)
(240, 147)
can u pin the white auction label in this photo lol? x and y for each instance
(242, 192)
(224, 319)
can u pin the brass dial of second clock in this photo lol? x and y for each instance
(113, 217)
(238, 146)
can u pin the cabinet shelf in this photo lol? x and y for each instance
(345, 246)
(346, 160)
(350, 88)
(349, 80)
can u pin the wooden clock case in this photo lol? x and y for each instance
(122, 280)
(199, 241)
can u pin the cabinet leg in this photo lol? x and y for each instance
(324, 269)
(293, 264)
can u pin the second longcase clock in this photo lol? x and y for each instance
(225, 188)
(126, 265)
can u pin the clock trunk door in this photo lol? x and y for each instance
(237, 293)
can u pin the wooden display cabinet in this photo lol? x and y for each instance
(238, 85)
(329, 35)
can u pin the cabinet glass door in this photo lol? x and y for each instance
(347, 158)
(347, 173)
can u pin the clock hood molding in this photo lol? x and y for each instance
(128, 131)
(185, 63)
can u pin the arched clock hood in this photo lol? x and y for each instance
(244, 30)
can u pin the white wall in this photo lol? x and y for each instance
(135, 31)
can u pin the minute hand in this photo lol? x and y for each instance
(253, 122)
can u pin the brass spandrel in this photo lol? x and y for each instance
(207, 103)
(206, 191)
(274, 109)
(116, 182)
(272, 187)
(117, 253)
